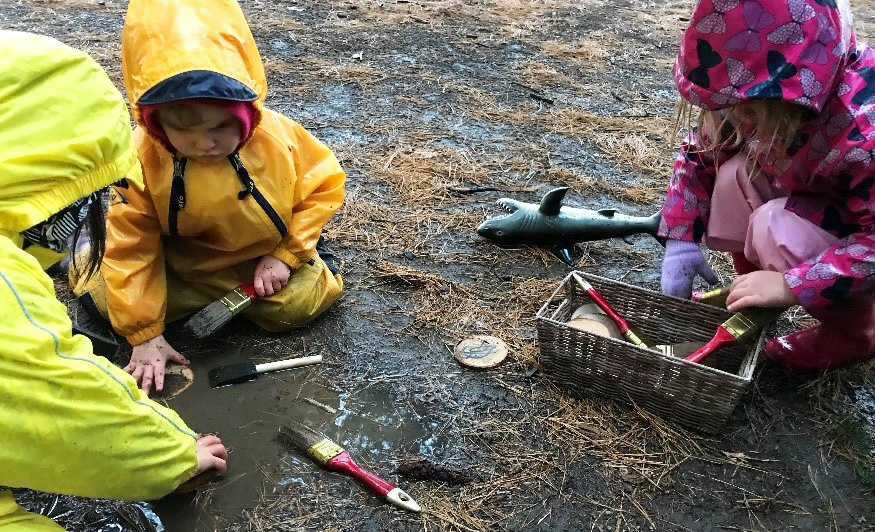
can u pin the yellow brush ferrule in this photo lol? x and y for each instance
(750, 319)
(739, 325)
(716, 298)
(634, 339)
(236, 300)
(324, 450)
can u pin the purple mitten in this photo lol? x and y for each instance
(682, 263)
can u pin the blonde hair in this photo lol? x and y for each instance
(764, 127)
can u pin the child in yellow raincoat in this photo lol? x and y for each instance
(235, 193)
(71, 422)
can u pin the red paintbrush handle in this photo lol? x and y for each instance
(621, 323)
(345, 464)
(249, 289)
(632, 335)
(722, 338)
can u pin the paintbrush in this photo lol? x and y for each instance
(740, 325)
(716, 297)
(629, 333)
(247, 371)
(215, 315)
(334, 458)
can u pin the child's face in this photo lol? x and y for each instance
(202, 133)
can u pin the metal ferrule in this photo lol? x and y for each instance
(324, 450)
(236, 300)
(633, 339)
(751, 319)
(738, 325)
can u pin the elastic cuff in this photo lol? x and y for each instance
(808, 303)
(144, 335)
(686, 237)
(290, 259)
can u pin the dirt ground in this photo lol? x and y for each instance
(419, 99)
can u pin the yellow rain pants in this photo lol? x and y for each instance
(312, 288)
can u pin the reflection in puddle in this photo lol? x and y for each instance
(368, 421)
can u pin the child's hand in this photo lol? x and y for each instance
(271, 275)
(211, 455)
(148, 361)
(759, 289)
(212, 461)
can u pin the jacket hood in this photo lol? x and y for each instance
(65, 131)
(743, 50)
(176, 50)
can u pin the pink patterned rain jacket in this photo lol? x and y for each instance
(801, 51)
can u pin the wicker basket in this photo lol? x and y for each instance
(699, 396)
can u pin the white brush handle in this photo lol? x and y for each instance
(288, 364)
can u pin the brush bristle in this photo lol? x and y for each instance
(298, 435)
(209, 319)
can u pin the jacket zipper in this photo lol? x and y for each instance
(250, 188)
(177, 194)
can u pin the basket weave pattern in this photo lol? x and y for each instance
(699, 396)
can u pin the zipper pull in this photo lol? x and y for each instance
(178, 186)
(243, 175)
(246, 191)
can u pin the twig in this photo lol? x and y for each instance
(320, 405)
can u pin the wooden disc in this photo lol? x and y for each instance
(196, 482)
(587, 310)
(481, 351)
(595, 325)
(177, 379)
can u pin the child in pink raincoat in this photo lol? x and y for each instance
(780, 170)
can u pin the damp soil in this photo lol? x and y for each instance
(418, 99)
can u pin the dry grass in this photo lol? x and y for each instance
(276, 20)
(592, 51)
(587, 185)
(640, 142)
(539, 74)
(833, 405)
(508, 18)
(626, 441)
(668, 20)
(80, 4)
(459, 310)
(299, 76)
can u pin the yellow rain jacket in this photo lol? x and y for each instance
(220, 236)
(70, 422)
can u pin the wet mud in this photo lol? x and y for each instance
(366, 420)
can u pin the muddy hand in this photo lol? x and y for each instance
(212, 458)
(271, 275)
(148, 362)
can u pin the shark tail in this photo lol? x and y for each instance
(652, 224)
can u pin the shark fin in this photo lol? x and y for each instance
(607, 212)
(569, 255)
(552, 201)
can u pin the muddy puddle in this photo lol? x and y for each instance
(366, 419)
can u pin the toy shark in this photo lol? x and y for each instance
(560, 227)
